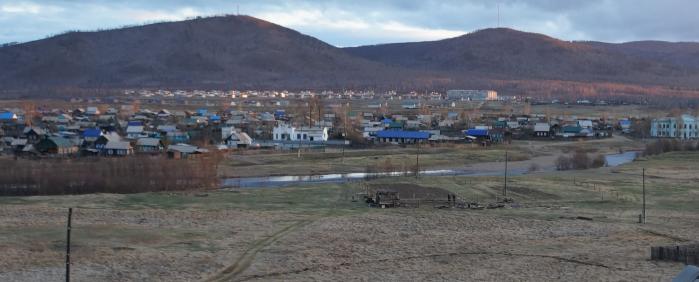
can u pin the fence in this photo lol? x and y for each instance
(688, 254)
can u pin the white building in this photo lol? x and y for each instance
(472, 95)
(684, 128)
(285, 132)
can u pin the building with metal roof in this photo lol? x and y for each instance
(401, 136)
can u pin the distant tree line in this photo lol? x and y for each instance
(670, 145)
(107, 175)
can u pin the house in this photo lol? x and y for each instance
(91, 134)
(477, 133)
(313, 134)
(625, 125)
(103, 139)
(92, 111)
(410, 104)
(234, 138)
(177, 136)
(689, 128)
(238, 140)
(63, 119)
(18, 144)
(33, 134)
(401, 136)
(134, 131)
(8, 117)
(56, 146)
(214, 118)
(571, 131)
(585, 123)
(542, 129)
(183, 151)
(164, 113)
(497, 135)
(664, 127)
(117, 148)
(370, 131)
(285, 132)
(165, 129)
(472, 95)
(149, 145)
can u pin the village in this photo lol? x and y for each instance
(130, 125)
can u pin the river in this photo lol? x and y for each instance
(612, 160)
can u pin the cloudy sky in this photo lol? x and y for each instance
(360, 22)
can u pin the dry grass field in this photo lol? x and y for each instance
(576, 225)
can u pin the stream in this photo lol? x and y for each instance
(612, 160)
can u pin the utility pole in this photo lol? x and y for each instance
(70, 215)
(504, 191)
(417, 160)
(643, 213)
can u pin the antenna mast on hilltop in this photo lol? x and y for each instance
(498, 15)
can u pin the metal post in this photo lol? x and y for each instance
(504, 191)
(643, 213)
(70, 215)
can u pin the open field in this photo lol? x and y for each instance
(577, 225)
(448, 156)
(332, 161)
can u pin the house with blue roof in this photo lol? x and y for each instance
(280, 114)
(477, 134)
(214, 118)
(7, 117)
(401, 136)
(91, 134)
(625, 125)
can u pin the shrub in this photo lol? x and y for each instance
(563, 163)
(598, 161)
(107, 175)
(580, 160)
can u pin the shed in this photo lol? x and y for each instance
(401, 136)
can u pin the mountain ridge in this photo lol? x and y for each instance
(244, 52)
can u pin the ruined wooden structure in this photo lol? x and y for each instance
(687, 254)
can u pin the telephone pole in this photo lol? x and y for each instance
(504, 191)
(643, 212)
(70, 215)
(417, 159)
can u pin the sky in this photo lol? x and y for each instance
(346, 23)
